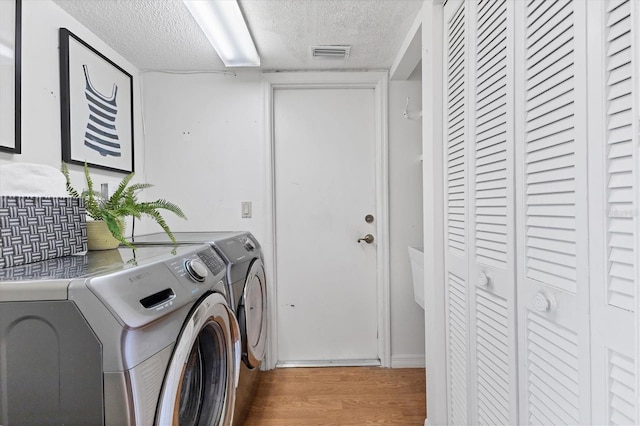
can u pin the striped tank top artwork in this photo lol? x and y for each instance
(101, 134)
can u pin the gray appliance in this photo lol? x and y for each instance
(245, 271)
(119, 337)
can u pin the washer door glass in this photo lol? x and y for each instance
(200, 383)
(253, 314)
(204, 381)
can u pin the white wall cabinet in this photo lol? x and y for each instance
(541, 193)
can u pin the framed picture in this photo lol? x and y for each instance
(10, 51)
(96, 106)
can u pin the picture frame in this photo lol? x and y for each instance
(96, 100)
(10, 76)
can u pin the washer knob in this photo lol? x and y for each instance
(248, 244)
(196, 270)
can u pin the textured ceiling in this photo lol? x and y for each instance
(162, 35)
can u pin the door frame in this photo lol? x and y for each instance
(378, 81)
(433, 211)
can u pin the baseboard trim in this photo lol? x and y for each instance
(408, 361)
(397, 361)
(330, 363)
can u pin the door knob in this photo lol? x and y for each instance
(541, 302)
(367, 239)
(483, 280)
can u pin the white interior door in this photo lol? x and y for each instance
(480, 241)
(552, 222)
(542, 148)
(324, 155)
(614, 197)
(493, 398)
(456, 136)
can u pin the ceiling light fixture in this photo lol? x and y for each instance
(223, 24)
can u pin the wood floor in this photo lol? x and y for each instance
(339, 396)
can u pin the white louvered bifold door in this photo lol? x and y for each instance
(455, 160)
(493, 362)
(552, 222)
(614, 192)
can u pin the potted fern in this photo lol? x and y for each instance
(109, 212)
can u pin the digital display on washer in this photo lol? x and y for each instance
(212, 260)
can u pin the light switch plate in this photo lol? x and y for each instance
(246, 209)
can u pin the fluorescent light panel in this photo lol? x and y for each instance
(223, 24)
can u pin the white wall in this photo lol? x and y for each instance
(41, 140)
(405, 221)
(205, 148)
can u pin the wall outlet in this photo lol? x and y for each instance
(246, 209)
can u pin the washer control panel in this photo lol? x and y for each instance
(213, 261)
(157, 286)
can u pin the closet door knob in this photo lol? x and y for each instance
(483, 280)
(541, 303)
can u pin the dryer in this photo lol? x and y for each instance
(119, 337)
(248, 288)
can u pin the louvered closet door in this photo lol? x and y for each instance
(456, 277)
(552, 223)
(493, 396)
(614, 194)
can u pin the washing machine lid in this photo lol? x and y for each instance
(137, 286)
(235, 247)
(208, 237)
(86, 264)
(49, 279)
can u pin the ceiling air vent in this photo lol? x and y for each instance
(330, 52)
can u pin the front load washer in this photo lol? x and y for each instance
(119, 337)
(245, 271)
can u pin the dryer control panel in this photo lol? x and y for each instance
(239, 250)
